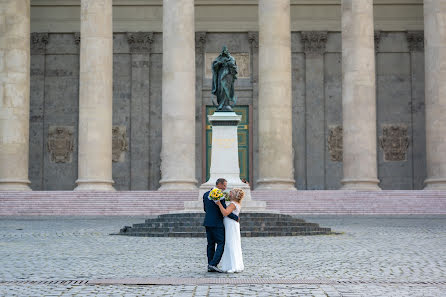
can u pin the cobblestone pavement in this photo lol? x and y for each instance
(390, 256)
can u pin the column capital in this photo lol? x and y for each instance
(38, 43)
(377, 38)
(415, 41)
(314, 42)
(253, 39)
(140, 42)
(200, 41)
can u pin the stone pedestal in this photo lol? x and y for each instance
(14, 94)
(225, 162)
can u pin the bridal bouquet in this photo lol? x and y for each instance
(216, 194)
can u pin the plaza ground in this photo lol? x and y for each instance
(374, 256)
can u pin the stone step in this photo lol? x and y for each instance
(272, 229)
(243, 234)
(264, 223)
(285, 202)
(254, 224)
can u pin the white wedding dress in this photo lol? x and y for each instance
(232, 259)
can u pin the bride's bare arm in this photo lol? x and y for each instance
(225, 211)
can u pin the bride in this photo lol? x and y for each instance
(232, 259)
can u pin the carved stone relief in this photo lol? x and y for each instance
(335, 143)
(314, 42)
(415, 41)
(242, 60)
(394, 142)
(38, 43)
(140, 42)
(60, 143)
(119, 143)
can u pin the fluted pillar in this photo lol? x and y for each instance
(178, 96)
(358, 96)
(14, 94)
(435, 89)
(95, 96)
(276, 170)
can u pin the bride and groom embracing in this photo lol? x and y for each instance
(223, 229)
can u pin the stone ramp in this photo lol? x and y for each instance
(285, 202)
(253, 225)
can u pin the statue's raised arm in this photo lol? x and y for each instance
(224, 74)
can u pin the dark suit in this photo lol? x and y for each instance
(215, 230)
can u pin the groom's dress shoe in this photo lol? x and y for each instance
(214, 269)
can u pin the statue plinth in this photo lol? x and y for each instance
(225, 163)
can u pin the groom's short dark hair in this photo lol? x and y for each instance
(220, 181)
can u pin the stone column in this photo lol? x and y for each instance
(276, 170)
(435, 88)
(95, 96)
(178, 96)
(14, 94)
(358, 96)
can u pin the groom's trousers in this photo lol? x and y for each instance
(215, 236)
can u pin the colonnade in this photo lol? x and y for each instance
(178, 95)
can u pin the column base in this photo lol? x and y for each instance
(276, 184)
(360, 184)
(94, 185)
(178, 184)
(14, 185)
(435, 184)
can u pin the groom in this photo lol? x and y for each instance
(215, 230)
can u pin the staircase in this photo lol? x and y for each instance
(253, 225)
(132, 203)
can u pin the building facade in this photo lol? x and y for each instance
(103, 95)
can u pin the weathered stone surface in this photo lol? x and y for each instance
(394, 98)
(60, 108)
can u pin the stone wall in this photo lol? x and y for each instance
(317, 112)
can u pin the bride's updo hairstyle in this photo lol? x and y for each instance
(237, 195)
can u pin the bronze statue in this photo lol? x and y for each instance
(224, 74)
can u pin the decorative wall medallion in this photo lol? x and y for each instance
(140, 42)
(415, 41)
(38, 43)
(394, 142)
(335, 142)
(60, 143)
(242, 60)
(119, 143)
(314, 42)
